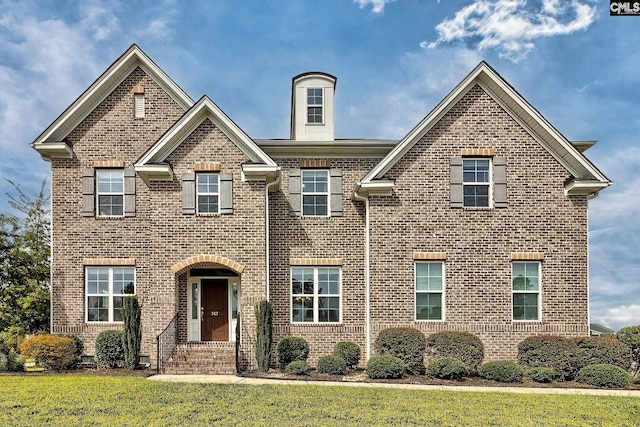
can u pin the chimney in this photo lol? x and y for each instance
(312, 106)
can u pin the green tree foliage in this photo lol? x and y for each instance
(631, 337)
(132, 332)
(24, 263)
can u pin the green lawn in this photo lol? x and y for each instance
(82, 400)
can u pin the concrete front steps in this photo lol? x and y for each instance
(205, 358)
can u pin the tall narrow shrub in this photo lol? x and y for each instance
(264, 334)
(132, 332)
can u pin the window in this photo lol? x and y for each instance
(110, 191)
(106, 288)
(314, 105)
(429, 290)
(208, 193)
(315, 294)
(476, 182)
(526, 290)
(315, 192)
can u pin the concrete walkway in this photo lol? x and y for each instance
(232, 379)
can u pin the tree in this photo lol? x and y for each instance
(132, 332)
(264, 338)
(631, 337)
(25, 263)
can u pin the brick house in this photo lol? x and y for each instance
(475, 221)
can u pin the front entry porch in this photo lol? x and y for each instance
(206, 358)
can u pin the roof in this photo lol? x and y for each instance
(50, 143)
(599, 329)
(587, 178)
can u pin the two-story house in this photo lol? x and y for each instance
(475, 221)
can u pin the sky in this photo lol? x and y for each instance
(394, 59)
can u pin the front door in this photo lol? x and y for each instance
(215, 310)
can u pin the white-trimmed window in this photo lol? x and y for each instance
(315, 294)
(314, 105)
(476, 182)
(526, 290)
(315, 192)
(208, 199)
(429, 277)
(110, 192)
(106, 288)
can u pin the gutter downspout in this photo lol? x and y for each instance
(367, 320)
(266, 230)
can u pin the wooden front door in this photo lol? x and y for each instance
(215, 310)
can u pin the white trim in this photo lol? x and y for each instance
(316, 295)
(268, 187)
(367, 274)
(488, 184)
(441, 292)
(538, 292)
(327, 194)
(198, 193)
(231, 323)
(98, 193)
(321, 106)
(110, 295)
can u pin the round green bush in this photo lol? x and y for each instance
(595, 350)
(541, 374)
(109, 351)
(407, 344)
(77, 342)
(384, 367)
(504, 371)
(449, 368)
(603, 375)
(550, 351)
(349, 351)
(298, 367)
(332, 364)
(290, 349)
(461, 345)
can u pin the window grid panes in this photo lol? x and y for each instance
(110, 192)
(106, 288)
(208, 193)
(429, 290)
(526, 290)
(314, 105)
(476, 182)
(315, 193)
(315, 294)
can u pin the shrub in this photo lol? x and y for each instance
(461, 345)
(407, 344)
(550, 351)
(383, 367)
(631, 337)
(541, 374)
(77, 342)
(450, 368)
(332, 364)
(502, 370)
(109, 352)
(10, 362)
(298, 367)
(51, 352)
(596, 350)
(132, 331)
(603, 375)
(264, 334)
(290, 349)
(349, 351)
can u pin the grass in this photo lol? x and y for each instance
(80, 400)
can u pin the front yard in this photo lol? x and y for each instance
(78, 400)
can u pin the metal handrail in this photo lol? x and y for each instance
(238, 345)
(166, 342)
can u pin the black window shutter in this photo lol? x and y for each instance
(336, 192)
(499, 182)
(226, 193)
(455, 182)
(88, 192)
(295, 196)
(189, 193)
(129, 192)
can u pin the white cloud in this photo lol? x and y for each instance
(510, 26)
(377, 6)
(619, 317)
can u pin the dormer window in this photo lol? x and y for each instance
(314, 105)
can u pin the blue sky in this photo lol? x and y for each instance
(394, 61)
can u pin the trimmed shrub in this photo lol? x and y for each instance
(132, 331)
(349, 351)
(449, 368)
(596, 350)
(298, 367)
(109, 351)
(631, 337)
(461, 345)
(541, 374)
(332, 364)
(383, 367)
(77, 342)
(407, 344)
(51, 352)
(504, 371)
(290, 349)
(10, 362)
(264, 334)
(603, 375)
(551, 351)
